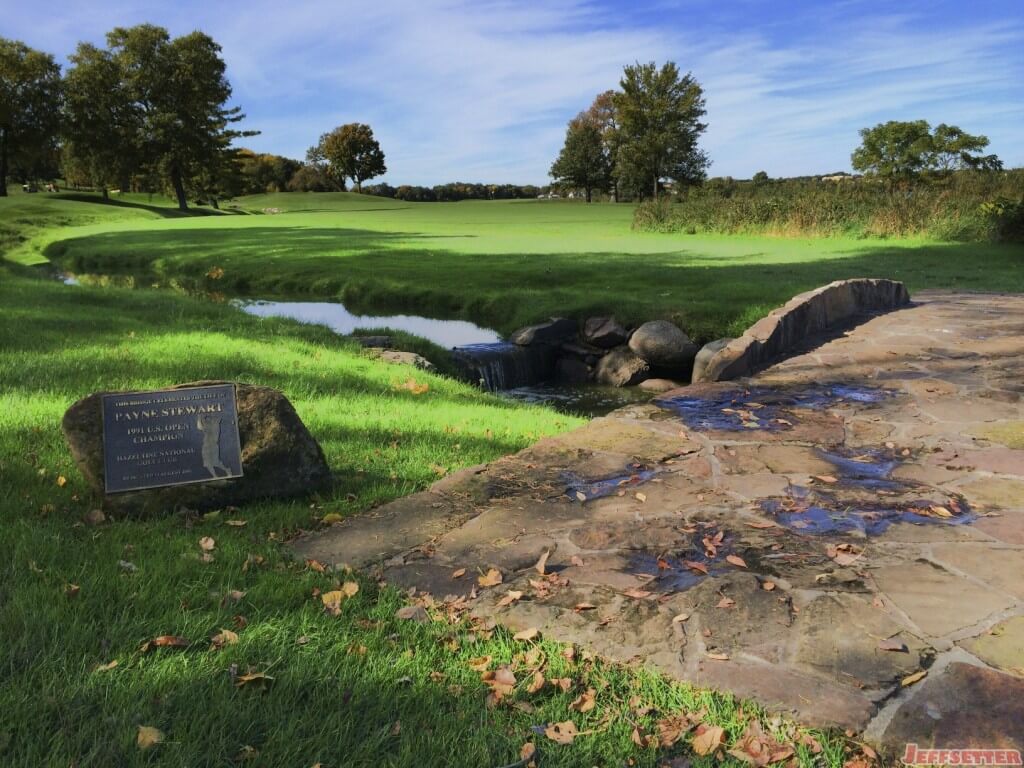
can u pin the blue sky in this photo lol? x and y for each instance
(475, 90)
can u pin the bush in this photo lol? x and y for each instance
(965, 206)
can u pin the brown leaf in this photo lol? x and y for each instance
(585, 701)
(761, 524)
(892, 644)
(911, 679)
(536, 683)
(736, 560)
(526, 634)
(726, 602)
(638, 594)
(459, 573)
(641, 497)
(671, 729)
(562, 733)
(164, 641)
(72, 590)
(828, 479)
(707, 739)
(576, 560)
(564, 683)
(680, 618)
(480, 663)
(767, 586)
(316, 565)
(642, 740)
(717, 655)
(542, 563)
(415, 613)
(510, 597)
(502, 680)
(584, 607)
(106, 667)
(207, 544)
(492, 578)
(95, 517)
(693, 565)
(527, 752)
(148, 736)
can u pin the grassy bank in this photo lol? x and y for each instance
(79, 596)
(509, 263)
(966, 207)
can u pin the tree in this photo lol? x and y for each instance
(659, 114)
(103, 131)
(760, 178)
(583, 161)
(901, 150)
(350, 152)
(30, 101)
(602, 113)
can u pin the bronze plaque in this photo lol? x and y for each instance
(170, 437)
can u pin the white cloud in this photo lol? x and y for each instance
(457, 89)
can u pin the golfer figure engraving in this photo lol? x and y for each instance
(209, 425)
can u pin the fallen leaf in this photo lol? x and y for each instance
(671, 729)
(350, 588)
(502, 680)
(232, 596)
(562, 733)
(829, 479)
(892, 644)
(526, 634)
(638, 594)
(332, 601)
(510, 597)
(576, 560)
(237, 523)
(536, 683)
(767, 586)
(718, 656)
(726, 602)
(761, 524)
(581, 496)
(148, 736)
(564, 683)
(246, 753)
(459, 573)
(415, 613)
(693, 565)
(641, 497)
(254, 680)
(106, 667)
(222, 638)
(680, 618)
(207, 544)
(164, 641)
(62, 481)
(584, 607)
(490, 579)
(585, 701)
(480, 663)
(72, 590)
(911, 679)
(95, 517)
(331, 518)
(642, 740)
(736, 560)
(707, 739)
(541, 564)
(527, 753)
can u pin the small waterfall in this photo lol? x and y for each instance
(505, 365)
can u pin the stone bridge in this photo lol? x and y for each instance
(815, 537)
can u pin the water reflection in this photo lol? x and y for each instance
(446, 333)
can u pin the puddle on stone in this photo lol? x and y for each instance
(868, 468)
(608, 486)
(764, 408)
(871, 519)
(671, 573)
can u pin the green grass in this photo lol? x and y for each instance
(505, 264)
(360, 689)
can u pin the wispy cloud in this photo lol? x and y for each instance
(480, 90)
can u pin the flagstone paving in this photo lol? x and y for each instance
(812, 537)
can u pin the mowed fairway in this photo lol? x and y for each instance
(505, 263)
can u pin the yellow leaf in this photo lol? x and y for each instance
(148, 736)
(459, 573)
(718, 656)
(222, 638)
(585, 701)
(911, 679)
(62, 481)
(490, 579)
(255, 679)
(350, 588)
(107, 667)
(332, 601)
(680, 618)
(526, 634)
(641, 497)
(331, 518)
(480, 663)
(736, 560)
(237, 523)
(510, 597)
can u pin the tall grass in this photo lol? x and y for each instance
(964, 207)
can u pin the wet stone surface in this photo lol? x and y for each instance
(827, 528)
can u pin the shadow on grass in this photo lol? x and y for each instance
(163, 211)
(380, 272)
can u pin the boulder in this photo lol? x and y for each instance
(621, 368)
(403, 358)
(571, 370)
(604, 332)
(555, 331)
(663, 345)
(280, 458)
(708, 351)
(660, 385)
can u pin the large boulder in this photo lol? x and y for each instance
(280, 458)
(621, 368)
(604, 332)
(572, 370)
(663, 345)
(555, 331)
(708, 351)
